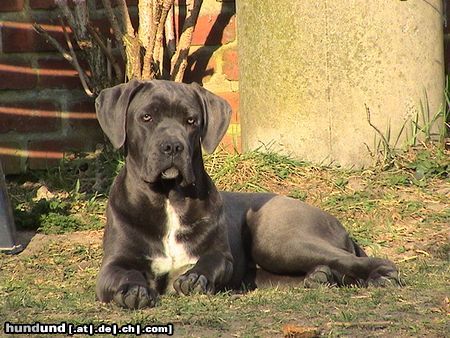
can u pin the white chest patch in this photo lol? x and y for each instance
(175, 258)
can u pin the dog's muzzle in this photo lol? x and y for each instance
(173, 150)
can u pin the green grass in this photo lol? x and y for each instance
(393, 213)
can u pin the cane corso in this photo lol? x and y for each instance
(170, 230)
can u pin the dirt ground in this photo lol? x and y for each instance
(390, 214)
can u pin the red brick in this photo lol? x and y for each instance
(17, 75)
(201, 64)
(231, 143)
(42, 4)
(29, 117)
(11, 157)
(21, 37)
(81, 117)
(114, 3)
(11, 5)
(48, 153)
(104, 27)
(212, 30)
(230, 65)
(233, 99)
(227, 3)
(57, 73)
(46, 4)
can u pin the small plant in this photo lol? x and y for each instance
(428, 164)
(149, 51)
(298, 194)
(386, 153)
(423, 123)
(360, 200)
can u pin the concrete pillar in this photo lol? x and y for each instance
(308, 68)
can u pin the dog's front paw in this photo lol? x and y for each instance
(192, 282)
(135, 296)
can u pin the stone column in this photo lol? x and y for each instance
(308, 68)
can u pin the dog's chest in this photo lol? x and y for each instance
(175, 258)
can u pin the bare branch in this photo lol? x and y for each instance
(118, 34)
(82, 20)
(69, 56)
(124, 13)
(107, 52)
(170, 34)
(82, 75)
(166, 6)
(179, 60)
(50, 39)
(147, 72)
(65, 10)
(131, 42)
(145, 8)
(156, 22)
(108, 63)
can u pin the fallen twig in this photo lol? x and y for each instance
(352, 324)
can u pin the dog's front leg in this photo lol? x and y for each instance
(212, 272)
(127, 287)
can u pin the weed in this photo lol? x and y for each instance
(54, 223)
(360, 200)
(398, 179)
(422, 125)
(341, 182)
(428, 164)
(298, 194)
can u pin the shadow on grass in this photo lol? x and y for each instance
(67, 198)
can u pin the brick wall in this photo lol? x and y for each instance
(44, 112)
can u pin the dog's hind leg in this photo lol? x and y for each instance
(324, 263)
(352, 270)
(382, 273)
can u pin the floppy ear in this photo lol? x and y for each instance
(216, 118)
(111, 106)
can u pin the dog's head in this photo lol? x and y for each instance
(162, 125)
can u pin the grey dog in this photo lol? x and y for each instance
(170, 230)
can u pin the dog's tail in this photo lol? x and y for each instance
(359, 252)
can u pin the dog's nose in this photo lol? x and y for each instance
(171, 148)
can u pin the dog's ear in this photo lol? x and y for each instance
(111, 106)
(216, 118)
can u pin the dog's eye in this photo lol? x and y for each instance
(147, 118)
(191, 121)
